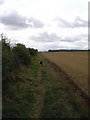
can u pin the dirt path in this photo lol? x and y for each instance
(40, 91)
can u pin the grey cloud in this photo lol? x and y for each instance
(78, 22)
(76, 38)
(64, 23)
(53, 37)
(35, 23)
(15, 21)
(85, 36)
(45, 37)
(2, 1)
(68, 39)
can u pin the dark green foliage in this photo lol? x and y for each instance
(7, 63)
(32, 51)
(20, 103)
(21, 54)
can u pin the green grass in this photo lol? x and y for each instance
(59, 103)
(19, 101)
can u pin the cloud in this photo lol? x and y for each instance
(51, 46)
(68, 39)
(16, 21)
(78, 22)
(53, 37)
(2, 1)
(76, 38)
(35, 23)
(46, 37)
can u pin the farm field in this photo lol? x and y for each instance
(74, 64)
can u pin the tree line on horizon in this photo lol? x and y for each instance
(65, 50)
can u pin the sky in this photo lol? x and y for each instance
(45, 24)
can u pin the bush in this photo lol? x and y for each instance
(32, 51)
(21, 54)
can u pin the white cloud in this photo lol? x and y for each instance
(45, 37)
(78, 22)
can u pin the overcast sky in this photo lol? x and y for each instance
(46, 24)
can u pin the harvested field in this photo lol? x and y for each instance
(74, 64)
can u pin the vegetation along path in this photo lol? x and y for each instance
(43, 92)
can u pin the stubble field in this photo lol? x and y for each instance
(74, 64)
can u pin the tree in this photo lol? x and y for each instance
(32, 52)
(21, 54)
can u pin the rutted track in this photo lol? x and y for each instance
(60, 75)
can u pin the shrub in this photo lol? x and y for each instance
(21, 54)
(32, 51)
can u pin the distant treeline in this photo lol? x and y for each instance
(65, 50)
(12, 59)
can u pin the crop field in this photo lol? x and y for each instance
(74, 64)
